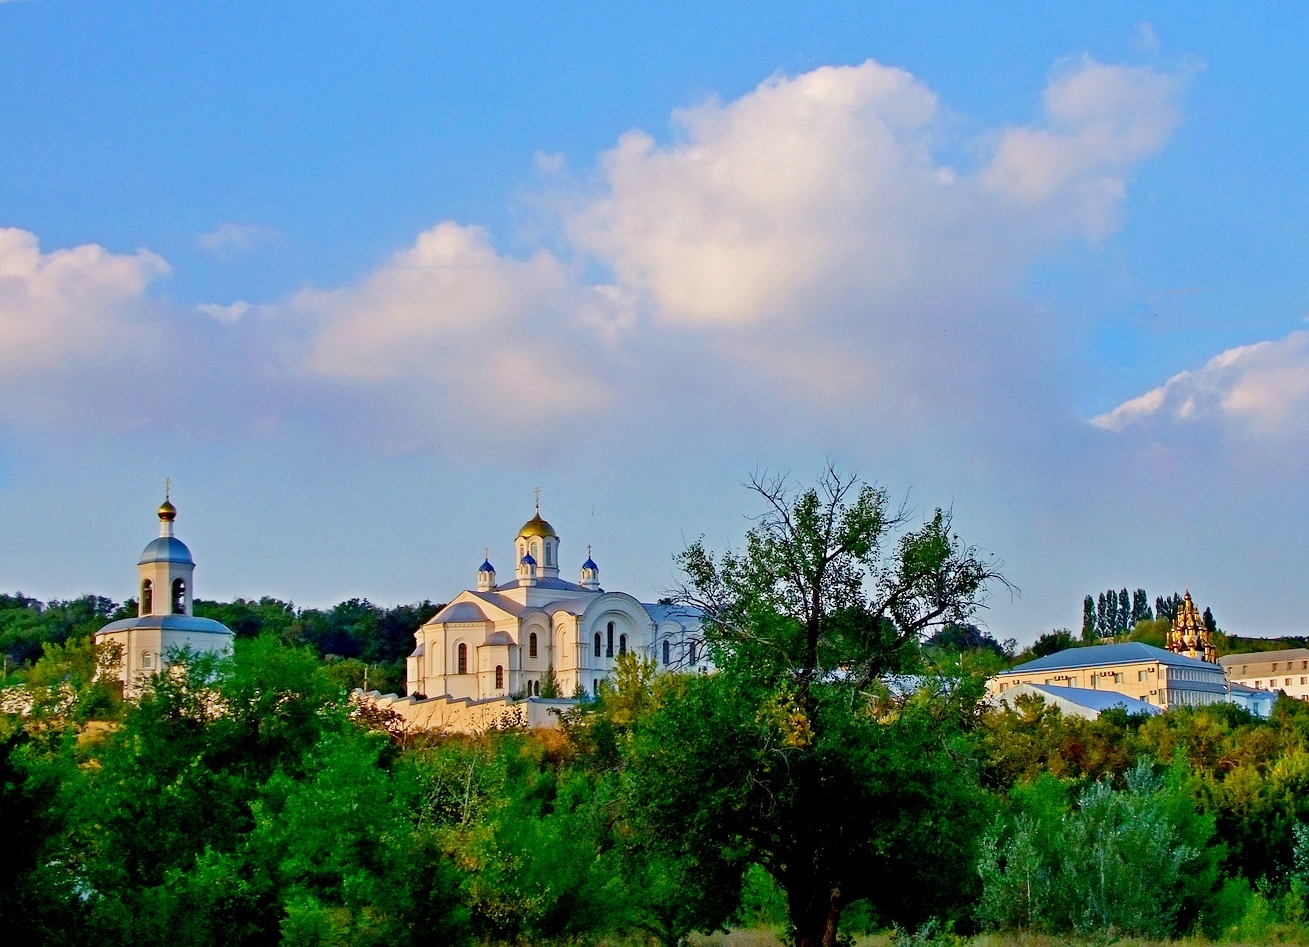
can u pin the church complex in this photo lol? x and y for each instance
(518, 651)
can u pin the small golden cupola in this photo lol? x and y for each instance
(1189, 636)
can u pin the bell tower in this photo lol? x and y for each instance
(166, 569)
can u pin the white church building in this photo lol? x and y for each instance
(491, 649)
(164, 623)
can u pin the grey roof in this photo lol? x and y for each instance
(1262, 657)
(460, 611)
(499, 637)
(1096, 700)
(549, 582)
(1129, 652)
(660, 612)
(1248, 691)
(166, 549)
(168, 623)
(502, 602)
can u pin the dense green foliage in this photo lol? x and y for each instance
(360, 639)
(838, 774)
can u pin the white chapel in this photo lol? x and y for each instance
(164, 622)
(502, 640)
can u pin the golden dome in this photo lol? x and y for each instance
(167, 512)
(537, 527)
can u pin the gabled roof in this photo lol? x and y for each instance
(1128, 652)
(1094, 700)
(1263, 657)
(459, 611)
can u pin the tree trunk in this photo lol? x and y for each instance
(816, 915)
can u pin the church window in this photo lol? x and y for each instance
(535, 550)
(463, 658)
(147, 597)
(179, 596)
(609, 650)
(531, 645)
(622, 644)
(597, 644)
(549, 554)
(147, 660)
(499, 677)
(595, 688)
(666, 654)
(690, 652)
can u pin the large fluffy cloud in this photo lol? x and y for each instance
(1260, 389)
(71, 307)
(825, 184)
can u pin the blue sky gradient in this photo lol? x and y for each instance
(268, 153)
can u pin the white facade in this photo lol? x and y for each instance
(164, 623)
(499, 642)
(1286, 671)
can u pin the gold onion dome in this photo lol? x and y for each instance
(537, 527)
(167, 512)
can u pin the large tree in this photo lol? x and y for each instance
(796, 755)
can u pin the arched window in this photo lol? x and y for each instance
(535, 550)
(531, 645)
(690, 652)
(666, 654)
(609, 651)
(622, 645)
(147, 597)
(147, 659)
(595, 687)
(179, 596)
(463, 658)
(499, 677)
(597, 644)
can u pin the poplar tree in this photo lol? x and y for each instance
(1088, 620)
(1124, 612)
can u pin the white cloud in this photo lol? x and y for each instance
(827, 183)
(1100, 121)
(228, 239)
(1260, 389)
(70, 307)
(455, 324)
(229, 314)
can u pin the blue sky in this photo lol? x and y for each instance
(358, 277)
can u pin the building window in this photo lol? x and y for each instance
(549, 554)
(1288, 682)
(147, 597)
(595, 687)
(622, 646)
(179, 596)
(609, 647)
(597, 644)
(1140, 675)
(147, 660)
(1258, 683)
(499, 677)
(666, 654)
(463, 658)
(690, 652)
(1118, 678)
(531, 645)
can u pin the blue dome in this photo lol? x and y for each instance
(527, 560)
(590, 564)
(487, 567)
(166, 549)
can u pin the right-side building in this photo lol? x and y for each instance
(1286, 671)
